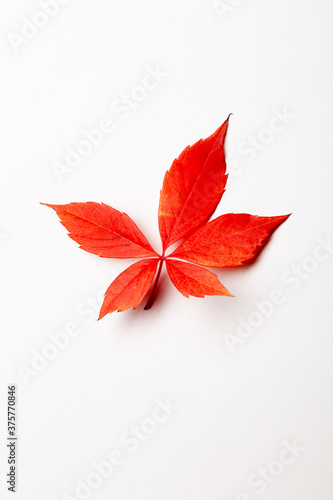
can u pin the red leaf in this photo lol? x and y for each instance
(194, 280)
(229, 240)
(130, 287)
(192, 188)
(102, 230)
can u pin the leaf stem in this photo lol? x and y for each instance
(151, 298)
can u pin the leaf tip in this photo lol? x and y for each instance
(281, 219)
(101, 315)
(49, 205)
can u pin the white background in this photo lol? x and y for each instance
(236, 409)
